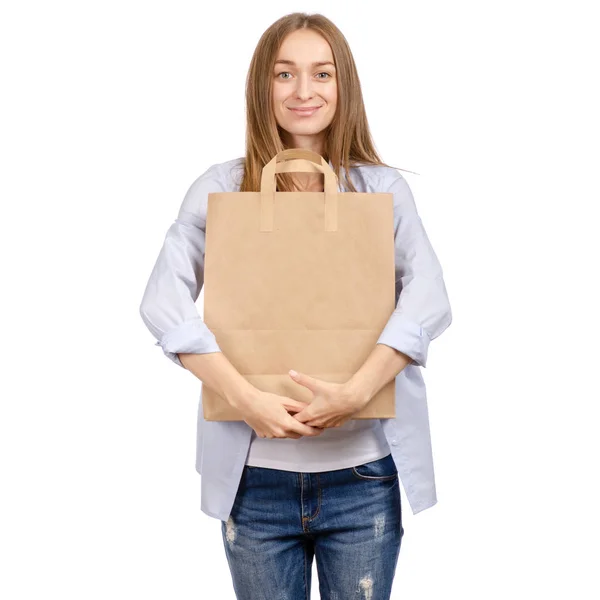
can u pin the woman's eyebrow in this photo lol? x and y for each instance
(315, 64)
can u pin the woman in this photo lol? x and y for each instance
(287, 487)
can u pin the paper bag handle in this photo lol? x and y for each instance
(303, 161)
(299, 153)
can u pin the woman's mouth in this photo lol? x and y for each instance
(305, 112)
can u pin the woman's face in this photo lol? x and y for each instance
(299, 81)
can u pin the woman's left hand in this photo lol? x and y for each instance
(332, 404)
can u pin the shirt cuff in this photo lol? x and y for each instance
(407, 337)
(189, 337)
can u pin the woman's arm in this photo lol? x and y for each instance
(168, 306)
(423, 310)
(216, 372)
(382, 365)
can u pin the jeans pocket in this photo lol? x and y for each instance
(382, 469)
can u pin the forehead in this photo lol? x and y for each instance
(305, 48)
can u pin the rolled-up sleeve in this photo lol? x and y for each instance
(168, 306)
(423, 310)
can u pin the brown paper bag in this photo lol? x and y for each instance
(298, 280)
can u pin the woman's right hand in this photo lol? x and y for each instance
(268, 415)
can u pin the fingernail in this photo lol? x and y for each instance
(293, 373)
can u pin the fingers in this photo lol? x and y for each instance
(295, 405)
(295, 426)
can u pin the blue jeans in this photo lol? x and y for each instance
(350, 519)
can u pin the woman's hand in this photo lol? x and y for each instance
(269, 415)
(332, 404)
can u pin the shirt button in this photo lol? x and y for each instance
(394, 442)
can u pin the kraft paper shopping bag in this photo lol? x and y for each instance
(298, 280)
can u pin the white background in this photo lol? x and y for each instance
(111, 109)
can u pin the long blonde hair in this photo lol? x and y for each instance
(348, 138)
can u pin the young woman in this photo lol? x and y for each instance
(294, 480)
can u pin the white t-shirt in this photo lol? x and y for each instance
(356, 442)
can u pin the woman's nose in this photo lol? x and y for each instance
(304, 87)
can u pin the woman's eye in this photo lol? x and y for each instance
(288, 73)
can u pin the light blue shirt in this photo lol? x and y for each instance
(422, 313)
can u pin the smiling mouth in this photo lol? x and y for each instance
(306, 111)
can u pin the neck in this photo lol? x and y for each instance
(312, 142)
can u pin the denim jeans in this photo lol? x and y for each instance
(349, 519)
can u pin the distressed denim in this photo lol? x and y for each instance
(349, 520)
